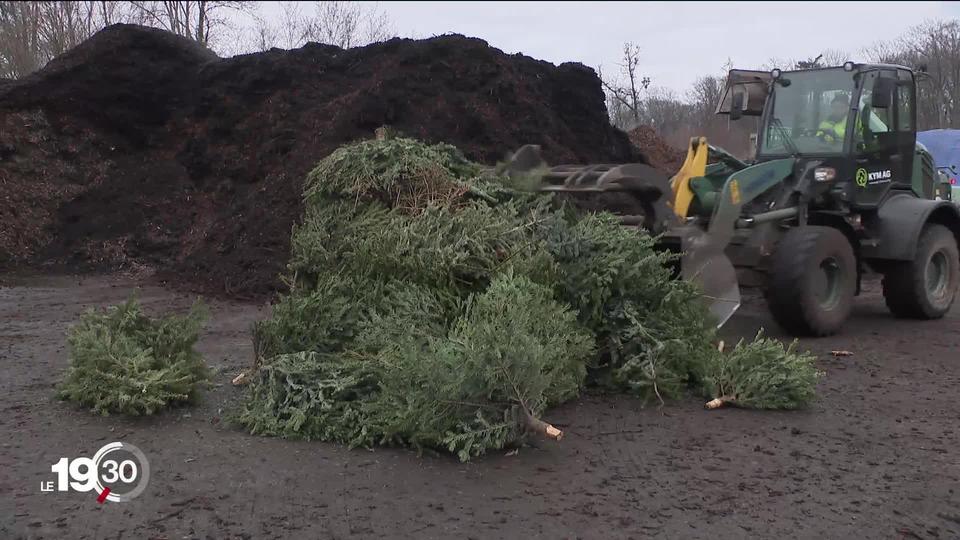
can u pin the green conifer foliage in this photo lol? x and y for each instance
(122, 361)
(436, 307)
(762, 374)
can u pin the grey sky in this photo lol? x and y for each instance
(680, 40)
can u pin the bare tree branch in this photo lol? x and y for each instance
(202, 21)
(344, 24)
(935, 45)
(31, 33)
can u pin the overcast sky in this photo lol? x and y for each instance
(680, 41)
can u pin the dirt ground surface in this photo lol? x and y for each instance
(875, 457)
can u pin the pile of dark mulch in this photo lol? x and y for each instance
(140, 147)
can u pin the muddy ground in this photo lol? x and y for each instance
(875, 457)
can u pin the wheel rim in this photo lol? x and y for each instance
(937, 275)
(829, 278)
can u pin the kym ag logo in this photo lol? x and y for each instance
(862, 177)
(865, 178)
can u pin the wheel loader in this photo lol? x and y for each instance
(838, 189)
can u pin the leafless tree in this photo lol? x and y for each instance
(935, 46)
(626, 95)
(704, 96)
(31, 33)
(289, 32)
(347, 24)
(344, 24)
(110, 12)
(620, 115)
(199, 20)
(678, 117)
(19, 38)
(63, 25)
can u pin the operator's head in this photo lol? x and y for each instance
(838, 107)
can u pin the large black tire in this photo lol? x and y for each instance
(925, 287)
(813, 278)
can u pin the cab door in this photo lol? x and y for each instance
(883, 138)
(905, 118)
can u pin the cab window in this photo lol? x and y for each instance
(809, 113)
(905, 102)
(870, 120)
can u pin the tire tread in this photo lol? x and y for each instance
(904, 282)
(788, 272)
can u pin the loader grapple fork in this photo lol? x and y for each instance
(649, 188)
(642, 196)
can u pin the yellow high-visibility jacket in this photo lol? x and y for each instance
(829, 127)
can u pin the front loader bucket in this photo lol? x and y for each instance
(704, 262)
(645, 198)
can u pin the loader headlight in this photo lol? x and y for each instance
(775, 73)
(824, 174)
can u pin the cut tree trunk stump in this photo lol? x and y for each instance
(719, 402)
(539, 426)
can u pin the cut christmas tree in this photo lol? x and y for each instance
(761, 374)
(122, 361)
(438, 306)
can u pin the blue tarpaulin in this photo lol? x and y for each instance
(944, 146)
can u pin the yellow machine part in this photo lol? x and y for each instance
(694, 165)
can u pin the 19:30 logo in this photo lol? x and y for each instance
(119, 478)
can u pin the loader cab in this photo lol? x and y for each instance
(858, 119)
